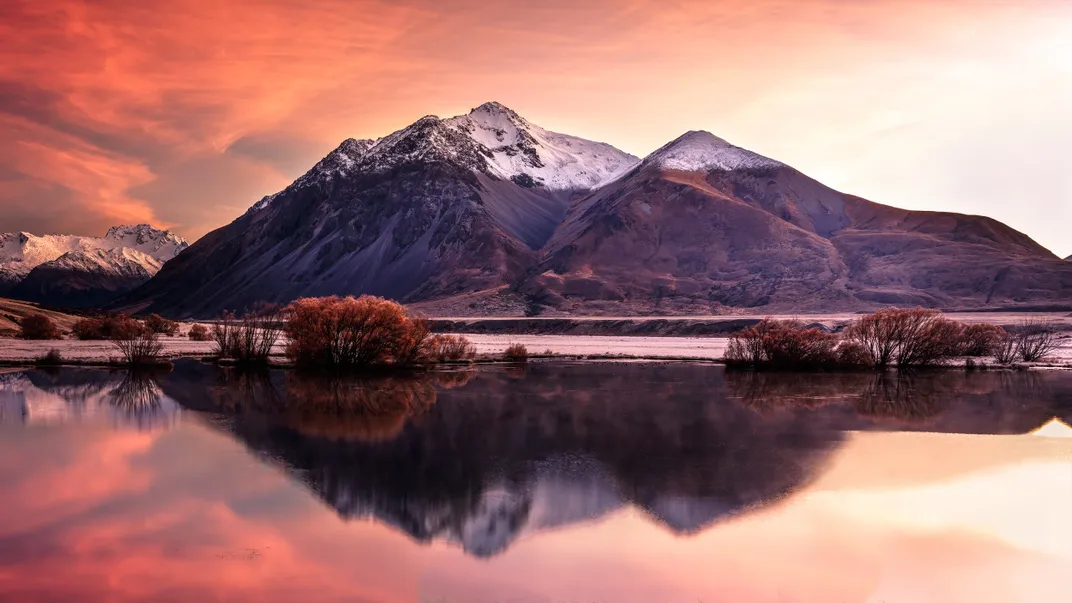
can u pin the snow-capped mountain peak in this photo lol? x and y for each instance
(124, 250)
(698, 150)
(491, 139)
(519, 150)
(159, 244)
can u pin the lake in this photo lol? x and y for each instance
(551, 483)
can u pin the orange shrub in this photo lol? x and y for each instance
(38, 326)
(782, 345)
(337, 332)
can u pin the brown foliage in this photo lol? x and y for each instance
(335, 332)
(38, 327)
(107, 327)
(199, 333)
(981, 339)
(907, 337)
(161, 326)
(451, 348)
(249, 339)
(516, 352)
(88, 328)
(782, 344)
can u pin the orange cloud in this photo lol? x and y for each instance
(887, 99)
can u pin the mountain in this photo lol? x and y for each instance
(488, 213)
(76, 271)
(701, 224)
(440, 208)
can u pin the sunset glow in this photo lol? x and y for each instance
(185, 114)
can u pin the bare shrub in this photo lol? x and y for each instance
(516, 352)
(907, 337)
(1035, 339)
(249, 339)
(38, 327)
(1007, 349)
(335, 332)
(980, 340)
(451, 348)
(782, 345)
(199, 333)
(140, 349)
(161, 326)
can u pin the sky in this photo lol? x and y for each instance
(183, 114)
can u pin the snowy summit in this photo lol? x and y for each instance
(697, 151)
(119, 250)
(491, 139)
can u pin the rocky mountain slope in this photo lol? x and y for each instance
(487, 213)
(77, 271)
(701, 224)
(440, 208)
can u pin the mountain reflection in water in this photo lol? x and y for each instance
(617, 482)
(481, 458)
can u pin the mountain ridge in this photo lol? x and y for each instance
(80, 271)
(488, 213)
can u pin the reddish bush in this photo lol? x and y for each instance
(89, 329)
(346, 332)
(161, 326)
(852, 354)
(451, 348)
(782, 345)
(122, 327)
(414, 343)
(907, 337)
(981, 339)
(199, 333)
(112, 327)
(39, 327)
(516, 352)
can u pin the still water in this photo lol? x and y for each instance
(555, 483)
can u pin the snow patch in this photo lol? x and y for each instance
(699, 151)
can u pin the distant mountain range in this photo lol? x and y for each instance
(488, 213)
(77, 271)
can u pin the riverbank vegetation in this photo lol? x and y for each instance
(355, 333)
(891, 337)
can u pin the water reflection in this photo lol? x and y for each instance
(481, 461)
(606, 482)
(51, 396)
